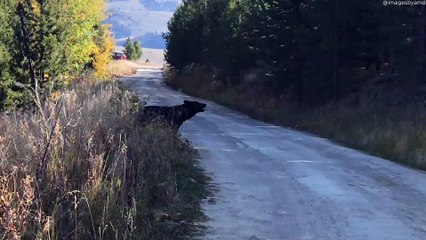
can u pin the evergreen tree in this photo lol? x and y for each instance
(7, 79)
(43, 43)
(132, 49)
(184, 41)
(138, 49)
(311, 48)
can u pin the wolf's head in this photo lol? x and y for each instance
(194, 107)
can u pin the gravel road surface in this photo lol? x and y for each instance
(276, 183)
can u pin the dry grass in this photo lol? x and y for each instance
(396, 133)
(121, 68)
(147, 64)
(81, 167)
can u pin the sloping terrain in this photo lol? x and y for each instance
(142, 19)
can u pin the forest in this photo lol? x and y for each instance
(350, 71)
(43, 45)
(318, 50)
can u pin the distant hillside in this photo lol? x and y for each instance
(156, 5)
(142, 19)
(153, 40)
(160, 5)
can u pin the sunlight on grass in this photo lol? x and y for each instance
(81, 167)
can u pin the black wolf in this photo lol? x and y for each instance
(173, 116)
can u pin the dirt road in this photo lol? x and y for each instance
(275, 183)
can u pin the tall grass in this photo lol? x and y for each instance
(393, 132)
(81, 167)
(121, 68)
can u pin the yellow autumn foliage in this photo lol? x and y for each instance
(83, 39)
(85, 21)
(103, 53)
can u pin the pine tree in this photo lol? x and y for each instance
(129, 49)
(302, 46)
(138, 49)
(42, 43)
(132, 49)
(184, 41)
(7, 95)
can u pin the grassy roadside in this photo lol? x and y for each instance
(121, 68)
(124, 68)
(396, 133)
(81, 167)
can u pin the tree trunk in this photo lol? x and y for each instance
(26, 48)
(300, 61)
(336, 82)
(422, 19)
(42, 28)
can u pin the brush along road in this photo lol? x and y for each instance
(275, 183)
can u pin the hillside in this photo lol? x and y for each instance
(142, 19)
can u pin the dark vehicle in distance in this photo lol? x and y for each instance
(119, 56)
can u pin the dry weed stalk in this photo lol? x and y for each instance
(81, 167)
